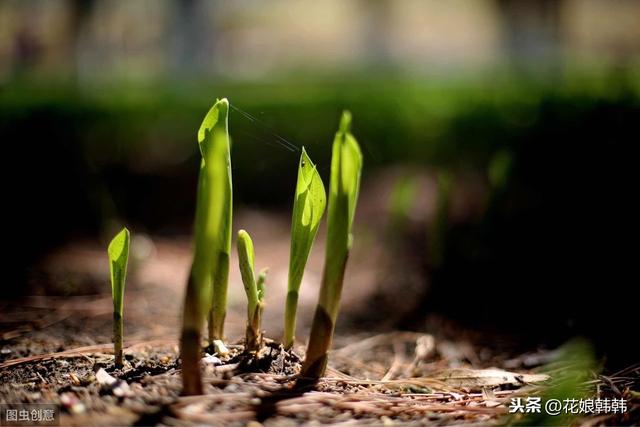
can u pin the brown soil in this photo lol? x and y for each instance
(54, 346)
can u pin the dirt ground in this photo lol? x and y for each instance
(55, 348)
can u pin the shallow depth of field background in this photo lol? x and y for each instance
(499, 177)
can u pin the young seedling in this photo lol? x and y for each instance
(254, 290)
(118, 251)
(262, 279)
(207, 284)
(308, 208)
(346, 164)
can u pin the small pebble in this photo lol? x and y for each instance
(71, 403)
(211, 360)
(122, 389)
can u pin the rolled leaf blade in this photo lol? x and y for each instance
(246, 262)
(344, 187)
(214, 216)
(262, 279)
(208, 279)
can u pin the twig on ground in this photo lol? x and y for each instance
(80, 352)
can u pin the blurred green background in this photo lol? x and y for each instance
(530, 106)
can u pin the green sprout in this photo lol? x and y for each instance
(346, 165)
(254, 290)
(401, 201)
(308, 208)
(118, 251)
(208, 279)
(262, 279)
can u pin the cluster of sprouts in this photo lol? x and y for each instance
(206, 293)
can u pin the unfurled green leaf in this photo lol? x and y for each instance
(308, 208)
(346, 166)
(118, 251)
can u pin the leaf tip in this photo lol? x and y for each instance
(210, 120)
(305, 159)
(345, 121)
(119, 244)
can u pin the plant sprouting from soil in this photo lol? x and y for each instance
(262, 279)
(208, 279)
(254, 290)
(118, 251)
(308, 208)
(346, 165)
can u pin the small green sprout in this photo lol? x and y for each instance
(400, 203)
(262, 279)
(346, 165)
(208, 279)
(308, 208)
(254, 291)
(118, 251)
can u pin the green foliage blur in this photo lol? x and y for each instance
(148, 131)
(572, 372)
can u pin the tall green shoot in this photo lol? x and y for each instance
(346, 165)
(254, 290)
(208, 279)
(118, 251)
(308, 208)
